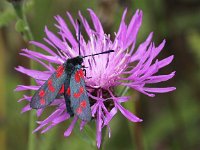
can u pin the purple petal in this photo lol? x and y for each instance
(54, 39)
(53, 115)
(24, 87)
(159, 90)
(112, 114)
(98, 128)
(27, 98)
(158, 49)
(72, 20)
(147, 64)
(160, 78)
(39, 112)
(122, 99)
(106, 113)
(37, 60)
(86, 25)
(142, 48)
(61, 118)
(68, 35)
(147, 72)
(83, 123)
(96, 23)
(47, 128)
(94, 109)
(164, 62)
(44, 47)
(133, 28)
(140, 89)
(143, 58)
(39, 75)
(122, 25)
(26, 108)
(69, 130)
(55, 47)
(127, 114)
(40, 82)
(53, 59)
(39, 127)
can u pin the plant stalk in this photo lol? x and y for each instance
(27, 36)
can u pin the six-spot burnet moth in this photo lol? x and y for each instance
(68, 80)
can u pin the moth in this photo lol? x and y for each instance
(67, 80)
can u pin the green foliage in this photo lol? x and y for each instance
(21, 26)
(6, 16)
(193, 41)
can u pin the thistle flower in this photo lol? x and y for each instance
(106, 71)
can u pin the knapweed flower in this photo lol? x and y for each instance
(126, 66)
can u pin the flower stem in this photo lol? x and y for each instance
(123, 92)
(27, 36)
(32, 117)
(31, 137)
(136, 130)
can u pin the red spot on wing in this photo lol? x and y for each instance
(81, 90)
(49, 82)
(81, 74)
(83, 104)
(51, 88)
(77, 77)
(42, 101)
(79, 110)
(77, 95)
(60, 71)
(61, 90)
(68, 91)
(42, 93)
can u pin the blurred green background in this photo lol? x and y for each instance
(171, 121)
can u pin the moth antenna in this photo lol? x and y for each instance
(109, 51)
(79, 36)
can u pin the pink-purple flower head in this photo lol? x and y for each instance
(106, 71)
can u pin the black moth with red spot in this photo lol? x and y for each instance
(68, 80)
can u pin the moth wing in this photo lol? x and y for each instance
(49, 90)
(78, 96)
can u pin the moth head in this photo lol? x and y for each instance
(79, 60)
(76, 60)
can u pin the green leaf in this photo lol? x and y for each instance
(7, 16)
(20, 26)
(193, 38)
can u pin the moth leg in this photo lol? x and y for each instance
(85, 74)
(83, 66)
